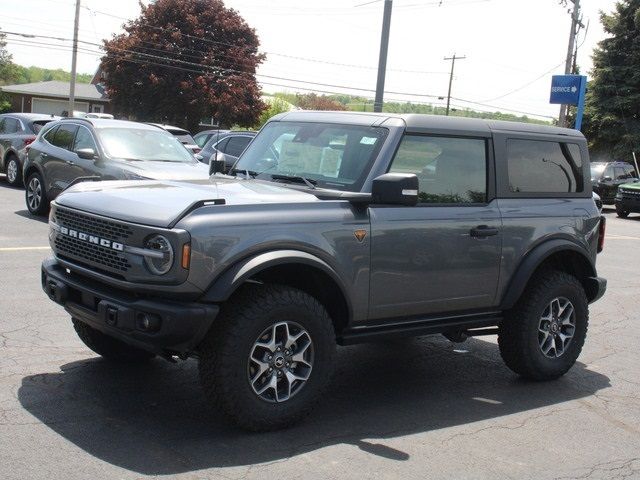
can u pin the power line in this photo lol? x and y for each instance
(525, 85)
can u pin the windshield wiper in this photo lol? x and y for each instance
(295, 178)
(246, 173)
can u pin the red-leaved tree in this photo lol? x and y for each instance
(184, 60)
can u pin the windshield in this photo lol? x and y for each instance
(332, 156)
(144, 145)
(597, 169)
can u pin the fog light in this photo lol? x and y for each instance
(148, 322)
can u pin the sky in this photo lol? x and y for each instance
(512, 47)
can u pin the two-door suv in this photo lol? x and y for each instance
(336, 228)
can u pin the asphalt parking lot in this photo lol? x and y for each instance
(419, 408)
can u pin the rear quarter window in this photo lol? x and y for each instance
(540, 166)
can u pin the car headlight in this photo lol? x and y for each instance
(162, 262)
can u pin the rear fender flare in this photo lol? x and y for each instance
(532, 261)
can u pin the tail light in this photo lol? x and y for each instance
(197, 150)
(601, 231)
(28, 141)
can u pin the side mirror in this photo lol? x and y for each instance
(395, 189)
(217, 163)
(198, 157)
(606, 179)
(86, 153)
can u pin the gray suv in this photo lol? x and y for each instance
(337, 228)
(99, 149)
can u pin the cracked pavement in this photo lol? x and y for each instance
(418, 409)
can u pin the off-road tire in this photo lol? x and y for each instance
(13, 162)
(42, 206)
(622, 213)
(108, 347)
(518, 332)
(225, 351)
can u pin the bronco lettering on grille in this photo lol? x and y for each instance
(103, 242)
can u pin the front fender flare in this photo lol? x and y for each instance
(532, 261)
(223, 286)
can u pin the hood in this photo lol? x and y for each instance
(630, 186)
(167, 170)
(159, 203)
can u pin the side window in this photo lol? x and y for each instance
(2, 125)
(540, 166)
(221, 146)
(237, 145)
(64, 136)
(84, 140)
(11, 125)
(449, 170)
(608, 172)
(632, 172)
(620, 173)
(201, 140)
(50, 134)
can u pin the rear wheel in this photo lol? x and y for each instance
(109, 347)
(35, 195)
(14, 172)
(542, 336)
(269, 357)
(621, 213)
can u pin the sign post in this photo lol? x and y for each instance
(569, 90)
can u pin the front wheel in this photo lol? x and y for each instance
(36, 195)
(269, 357)
(542, 336)
(621, 213)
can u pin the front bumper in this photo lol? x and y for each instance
(628, 204)
(157, 325)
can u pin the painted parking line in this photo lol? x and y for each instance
(22, 249)
(620, 237)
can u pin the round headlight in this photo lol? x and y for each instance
(159, 264)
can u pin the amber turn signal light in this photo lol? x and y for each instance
(186, 255)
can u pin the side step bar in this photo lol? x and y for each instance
(454, 326)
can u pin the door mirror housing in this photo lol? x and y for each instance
(86, 153)
(217, 163)
(606, 179)
(395, 189)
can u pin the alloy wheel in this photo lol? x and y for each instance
(12, 171)
(556, 327)
(280, 362)
(34, 194)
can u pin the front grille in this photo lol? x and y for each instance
(91, 253)
(95, 226)
(85, 251)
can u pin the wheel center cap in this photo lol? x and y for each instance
(278, 361)
(554, 327)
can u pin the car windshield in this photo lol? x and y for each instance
(329, 155)
(144, 145)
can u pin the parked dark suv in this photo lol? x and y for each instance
(17, 130)
(339, 228)
(606, 177)
(102, 150)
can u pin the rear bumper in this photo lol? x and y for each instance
(156, 325)
(596, 288)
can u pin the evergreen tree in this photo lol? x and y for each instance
(612, 116)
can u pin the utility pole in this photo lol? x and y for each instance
(453, 64)
(569, 63)
(382, 62)
(74, 55)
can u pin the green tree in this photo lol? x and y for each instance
(275, 105)
(184, 60)
(612, 121)
(6, 72)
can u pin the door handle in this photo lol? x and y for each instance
(483, 231)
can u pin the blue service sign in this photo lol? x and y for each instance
(566, 89)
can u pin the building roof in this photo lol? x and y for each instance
(59, 89)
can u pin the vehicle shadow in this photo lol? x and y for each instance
(26, 214)
(154, 419)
